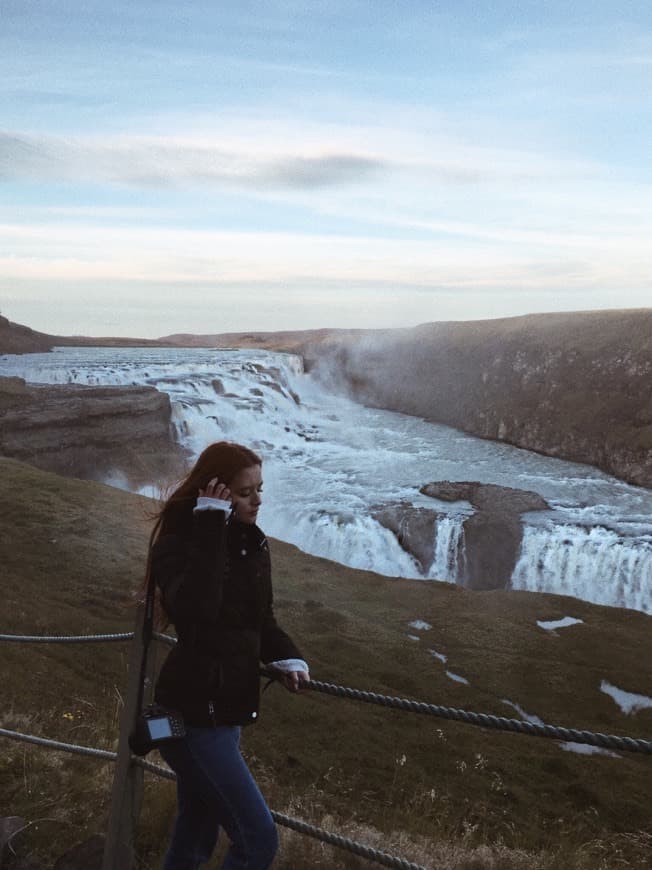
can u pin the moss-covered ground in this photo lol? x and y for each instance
(444, 794)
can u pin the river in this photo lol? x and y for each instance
(329, 463)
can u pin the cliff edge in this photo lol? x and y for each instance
(89, 432)
(570, 385)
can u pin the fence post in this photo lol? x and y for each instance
(127, 790)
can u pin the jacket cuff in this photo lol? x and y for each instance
(289, 665)
(204, 503)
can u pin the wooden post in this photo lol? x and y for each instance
(127, 791)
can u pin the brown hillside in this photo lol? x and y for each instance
(72, 551)
(15, 338)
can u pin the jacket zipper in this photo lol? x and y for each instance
(211, 710)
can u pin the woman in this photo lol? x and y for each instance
(211, 565)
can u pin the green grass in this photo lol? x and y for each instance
(440, 793)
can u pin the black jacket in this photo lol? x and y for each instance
(214, 576)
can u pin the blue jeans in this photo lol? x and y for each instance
(216, 790)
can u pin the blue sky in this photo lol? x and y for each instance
(209, 166)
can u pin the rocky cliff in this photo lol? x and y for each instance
(89, 432)
(492, 533)
(572, 385)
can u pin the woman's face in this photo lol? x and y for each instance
(246, 493)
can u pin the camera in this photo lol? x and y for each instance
(155, 725)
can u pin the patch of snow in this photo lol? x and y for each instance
(413, 637)
(526, 717)
(437, 655)
(586, 749)
(629, 702)
(457, 678)
(559, 623)
(151, 491)
(420, 625)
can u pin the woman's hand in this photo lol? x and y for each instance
(295, 681)
(215, 489)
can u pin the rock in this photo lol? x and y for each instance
(492, 535)
(89, 432)
(487, 496)
(415, 530)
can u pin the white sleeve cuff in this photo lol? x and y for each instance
(212, 504)
(289, 665)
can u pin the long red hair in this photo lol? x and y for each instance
(222, 460)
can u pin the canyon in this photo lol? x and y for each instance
(573, 385)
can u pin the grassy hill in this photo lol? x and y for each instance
(440, 793)
(16, 338)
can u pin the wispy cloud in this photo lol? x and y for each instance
(258, 156)
(145, 162)
(327, 152)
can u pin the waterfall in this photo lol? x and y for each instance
(329, 464)
(449, 557)
(595, 564)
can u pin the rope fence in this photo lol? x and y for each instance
(301, 827)
(487, 720)
(484, 720)
(72, 638)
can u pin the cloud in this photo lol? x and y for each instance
(22, 156)
(143, 162)
(257, 157)
(308, 172)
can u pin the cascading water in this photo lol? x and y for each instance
(329, 464)
(595, 564)
(448, 563)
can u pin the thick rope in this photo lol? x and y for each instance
(628, 744)
(56, 744)
(164, 638)
(486, 720)
(344, 843)
(74, 638)
(311, 831)
(281, 819)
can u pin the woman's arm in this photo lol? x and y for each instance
(189, 569)
(275, 644)
(279, 652)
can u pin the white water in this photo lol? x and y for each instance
(329, 463)
(596, 564)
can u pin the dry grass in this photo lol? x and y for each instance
(442, 794)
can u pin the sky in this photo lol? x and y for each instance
(218, 166)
